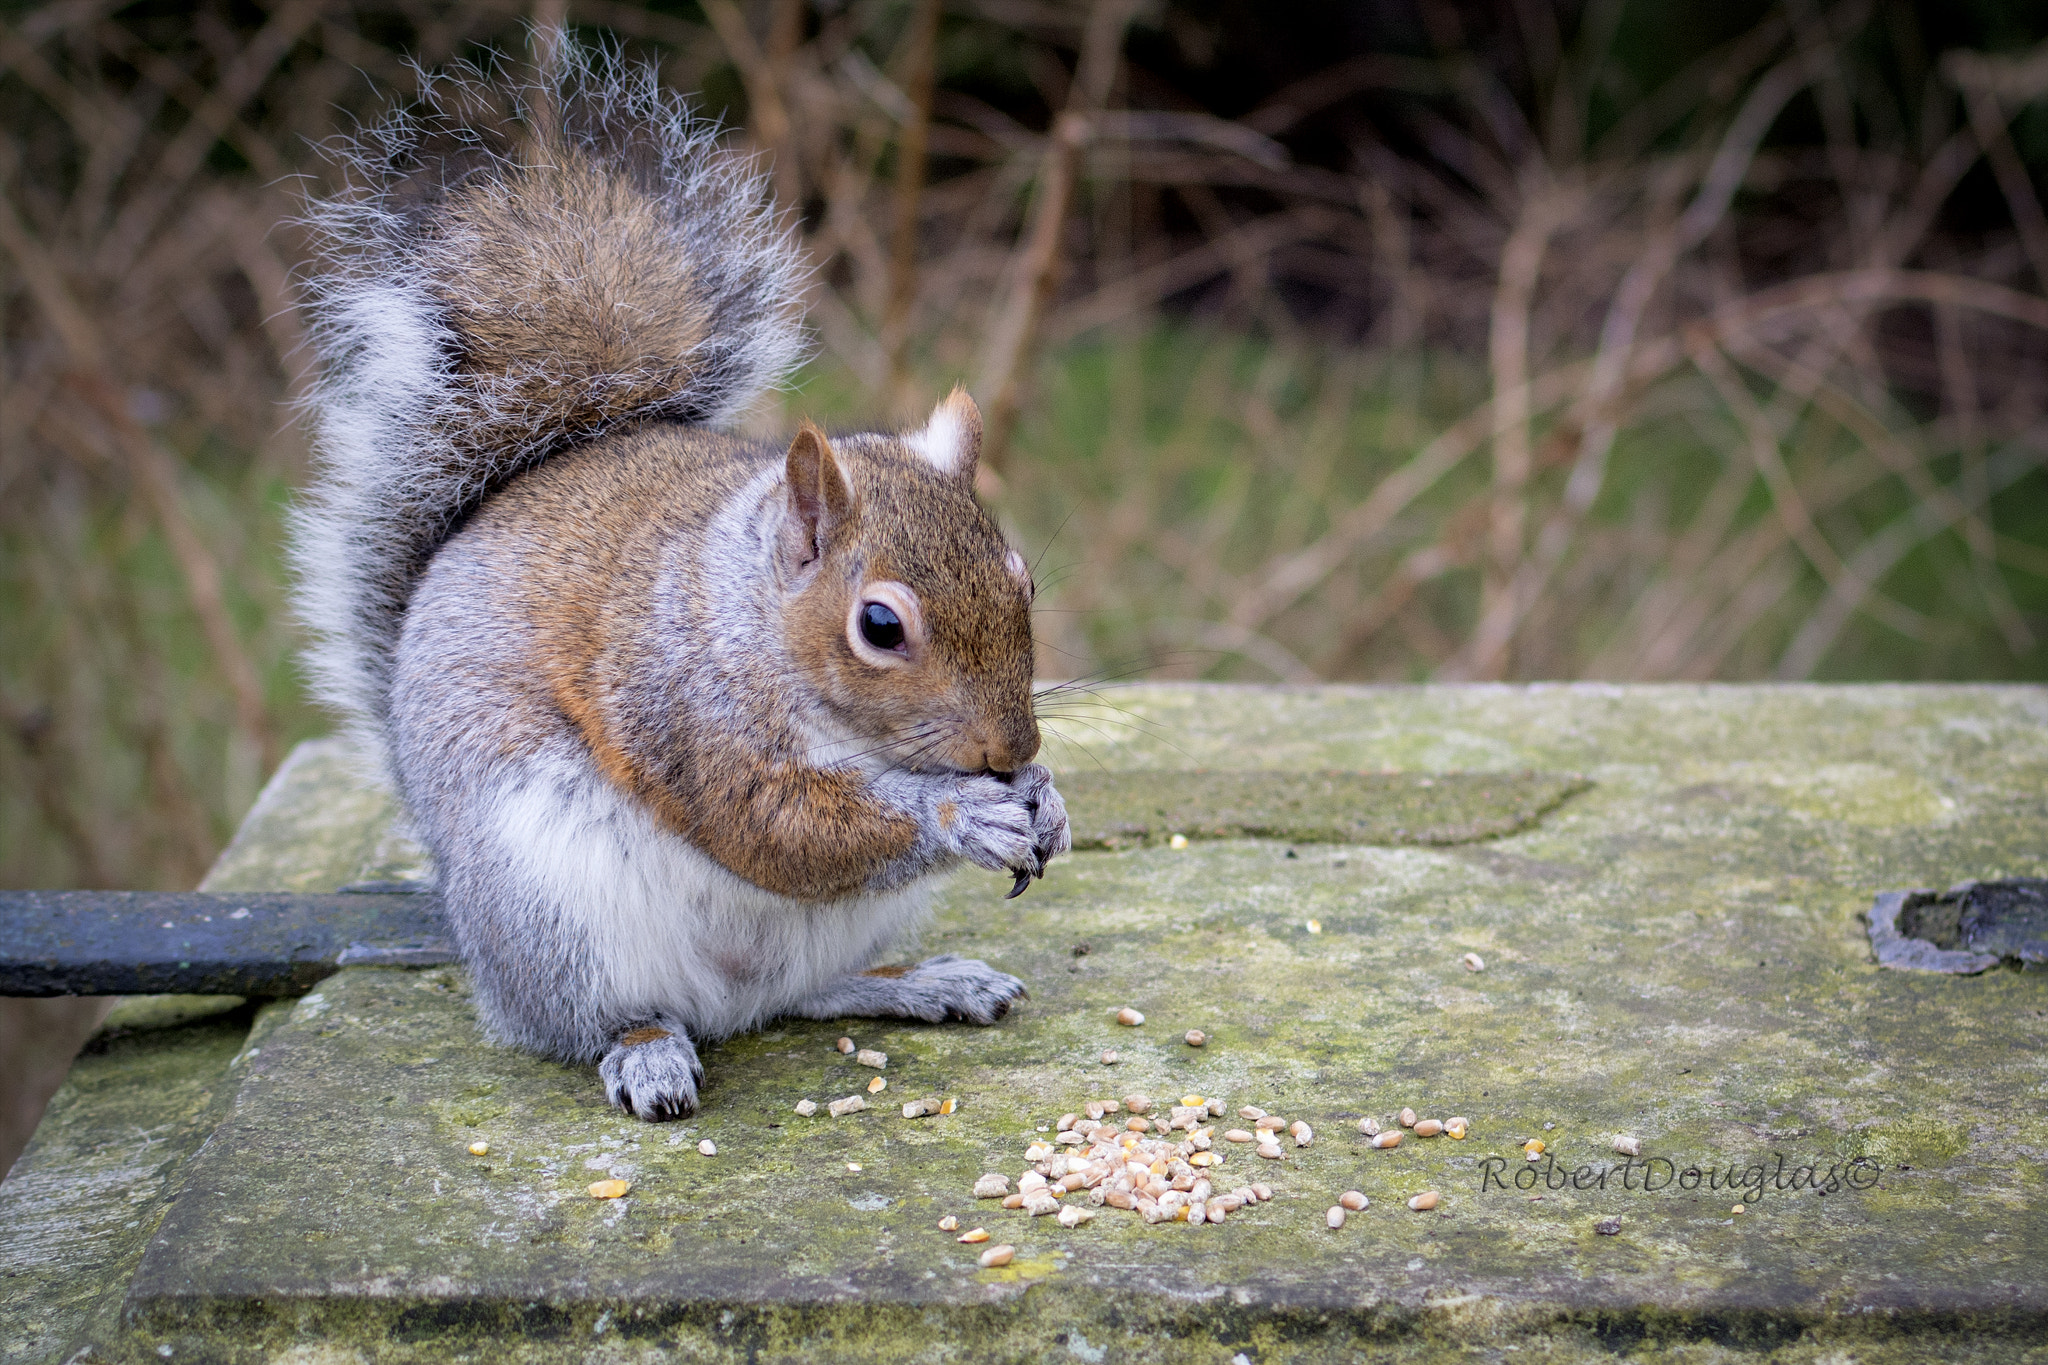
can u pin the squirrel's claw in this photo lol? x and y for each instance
(1023, 880)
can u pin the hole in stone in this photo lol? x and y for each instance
(1969, 928)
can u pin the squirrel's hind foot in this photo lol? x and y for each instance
(935, 990)
(652, 1072)
(964, 988)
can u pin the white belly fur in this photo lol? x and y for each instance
(671, 931)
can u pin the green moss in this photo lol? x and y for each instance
(140, 1013)
(1919, 1140)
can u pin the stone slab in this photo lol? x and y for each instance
(107, 1161)
(1677, 953)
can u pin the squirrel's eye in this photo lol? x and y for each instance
(881, 627)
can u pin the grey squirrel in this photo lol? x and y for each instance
(687, 722)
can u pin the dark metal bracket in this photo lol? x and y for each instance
(201, 943)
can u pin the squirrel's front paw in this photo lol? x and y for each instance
(653, 1073)
(1015, 824)
(989, 820)
(1049, 832)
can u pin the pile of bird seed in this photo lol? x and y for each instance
(1139, 1164)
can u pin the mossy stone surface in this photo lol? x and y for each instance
(1116, 809)
(106, 1163)
(1675, 953)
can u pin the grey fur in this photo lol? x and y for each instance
(411, 435)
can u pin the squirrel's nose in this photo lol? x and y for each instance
(999, 751)
(1013, 748)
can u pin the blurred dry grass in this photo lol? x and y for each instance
(1486, 358)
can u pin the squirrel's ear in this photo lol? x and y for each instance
(951, 440)
(818, 499)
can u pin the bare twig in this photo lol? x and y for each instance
(1012, 347)
(920, 64)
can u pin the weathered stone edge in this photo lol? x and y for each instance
(1897, 951)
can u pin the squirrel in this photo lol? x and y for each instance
(687, 722)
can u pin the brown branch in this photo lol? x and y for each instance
(1786, 501)
(1990, 125)
(920, 67)
(171, 170)
(1231, 250)
(762, 73)
(1544, 210)
(1599, 409)
(1876, 558)
(1013, 346)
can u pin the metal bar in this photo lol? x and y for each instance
(200, 943)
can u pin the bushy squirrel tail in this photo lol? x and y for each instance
(512, 272)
